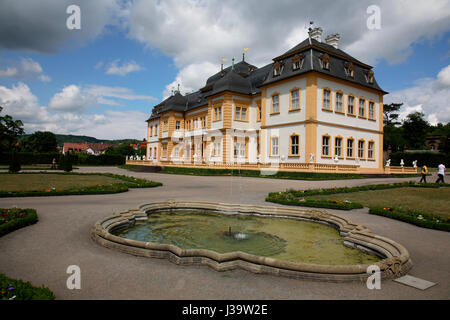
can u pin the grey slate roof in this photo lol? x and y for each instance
(247, 79)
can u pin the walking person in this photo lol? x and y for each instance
(424, 174)
(441, 173)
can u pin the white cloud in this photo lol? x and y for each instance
(19, 102)
(191, 78)
(27, 68)
(116, 92)
(77, 99)
(428, 95)
(8, 72)
(72, 98)
(122, 70)
(195, 32)
(443, 77)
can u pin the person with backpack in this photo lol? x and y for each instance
(424, 174)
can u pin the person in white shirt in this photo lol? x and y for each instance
(441, 173)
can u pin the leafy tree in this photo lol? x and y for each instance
(123, 149)
(9, 131)
(39, 142)
(141, 151)
(415, 130)
(390, 114)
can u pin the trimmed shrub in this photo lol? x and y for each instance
(288, 199)
(14, 166)
(12, 289)
(257, 173)
(67, 165)
(420, 219)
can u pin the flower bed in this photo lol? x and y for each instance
(289, 199)
(13, 219)
(417, 218)
(11, 289)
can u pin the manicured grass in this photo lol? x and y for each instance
(424, 205)
(426, 200)
(37, 181)
(58, 183)
(12, 289)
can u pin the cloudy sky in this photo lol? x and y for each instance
(103, 79)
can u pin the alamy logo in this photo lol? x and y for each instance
(374, 280)
(374, 19)
(74, 280)
(74, 20)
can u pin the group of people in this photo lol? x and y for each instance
(441, 174)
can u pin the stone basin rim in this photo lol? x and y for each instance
(396, 261)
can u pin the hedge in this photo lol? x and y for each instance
(287, 199)
(257, 173)
(414, 217)
(27, 158)
(12, 289)
(423, 158)
(13, 219)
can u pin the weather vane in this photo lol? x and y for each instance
(243, 54)
(223, 61)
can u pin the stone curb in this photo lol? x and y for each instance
(396, 261)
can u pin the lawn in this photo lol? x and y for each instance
(427, 200)
(31, 182)
(28, 184)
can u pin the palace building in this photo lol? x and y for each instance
(313, 108)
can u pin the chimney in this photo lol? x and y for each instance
(333, 40)
(316, 34)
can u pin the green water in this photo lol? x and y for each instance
(279, 238)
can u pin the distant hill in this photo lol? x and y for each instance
(61, 138)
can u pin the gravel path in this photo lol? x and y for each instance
(41, 253)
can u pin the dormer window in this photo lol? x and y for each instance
(349, 69)
(277, 69)
(325, 61)
(297, 62)
(369, 76)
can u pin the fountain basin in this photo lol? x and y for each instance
(392, 258)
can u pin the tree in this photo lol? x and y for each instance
(9, 131)
(39, 142)
(390, 115)
(415, 130)
(123, 149)
(393, 136)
